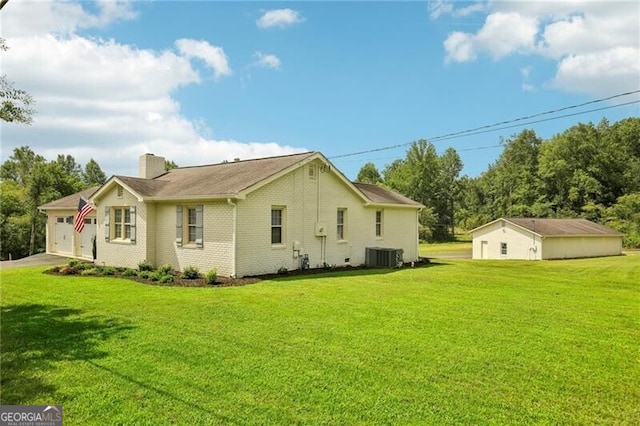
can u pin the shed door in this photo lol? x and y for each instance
(87, 236)
(484, 249)
(64, 233)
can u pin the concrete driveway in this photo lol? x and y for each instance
(41, 259)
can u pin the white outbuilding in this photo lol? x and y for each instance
(539, 239)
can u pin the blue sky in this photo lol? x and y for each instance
(201, 82)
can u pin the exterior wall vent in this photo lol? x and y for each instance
(378, 257)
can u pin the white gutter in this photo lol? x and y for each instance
(233, 237)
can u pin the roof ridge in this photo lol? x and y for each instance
(244, 161)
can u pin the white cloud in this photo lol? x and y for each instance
(595, 44)
(106, 100)
(602, 73)
(279, 18)
(460, 47)
(439, 7)
(30, 18)
(267, 60)
(213, 56)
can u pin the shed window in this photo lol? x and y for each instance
(503, 249)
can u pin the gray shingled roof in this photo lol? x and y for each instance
(562, 227)
(378, 194)
(70, 201)
(229, 179)
(212, 180)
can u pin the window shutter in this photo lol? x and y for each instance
(179, 226)
(107, 209)
(199, 242)
(132, 213)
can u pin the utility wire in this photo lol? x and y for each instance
(494, 127)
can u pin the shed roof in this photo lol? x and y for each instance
(558, 227)
(70, 202)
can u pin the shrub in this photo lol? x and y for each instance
(74, 263)
(165, 279)
(128, 272)
(145, 266)
(108, 270)
(79, 265)
(190, 273)
(144, 274)
(165, 269)
(211, 276)
(282, 270)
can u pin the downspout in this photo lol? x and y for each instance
(233, 237)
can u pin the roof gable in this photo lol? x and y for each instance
(70, 202)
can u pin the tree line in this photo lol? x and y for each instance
(589, 171)
(28, 180)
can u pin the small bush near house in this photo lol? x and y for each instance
(190, 273)
(211, 276)
(128, 272)
(77, 264)
(145, 266)
(144, 274)
(165, 279)
(108, 270)
(282, 270)
(68, 270)
(165, 269)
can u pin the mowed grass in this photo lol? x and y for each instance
(450, 248)
(460, 342)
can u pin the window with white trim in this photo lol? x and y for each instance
(503, 249)
(189, 226)
(341, 219)
(277, 221)
(379, 218)
(120, 224)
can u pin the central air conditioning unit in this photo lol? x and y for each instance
(379, 257)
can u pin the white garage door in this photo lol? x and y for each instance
(64, 233)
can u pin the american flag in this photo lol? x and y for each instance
(84, 208)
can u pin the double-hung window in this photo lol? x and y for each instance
(379, 223)
(120, 224)
(277, 214)
(503, 249)
(189, 226)
(341, 223)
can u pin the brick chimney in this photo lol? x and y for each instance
(151, 166)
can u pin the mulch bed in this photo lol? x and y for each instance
(178, 281)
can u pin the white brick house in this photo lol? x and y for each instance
(249, 217)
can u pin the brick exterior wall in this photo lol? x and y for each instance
(122, 253)
(307, 201)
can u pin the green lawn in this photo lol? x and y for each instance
(460, 342)
(454, 247)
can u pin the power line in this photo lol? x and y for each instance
(494, 127)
